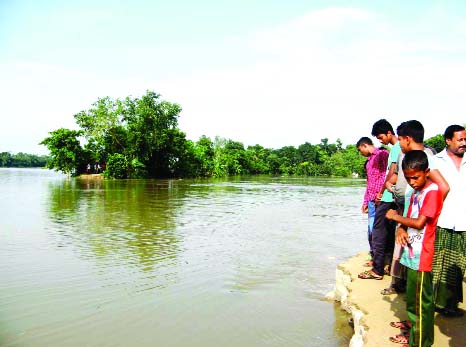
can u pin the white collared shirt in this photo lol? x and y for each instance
(453, 214)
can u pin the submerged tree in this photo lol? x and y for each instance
(137, 136)
(66, 152)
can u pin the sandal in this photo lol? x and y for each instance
(389, 291)
(369, 275)
(403, 325)
(400, 338)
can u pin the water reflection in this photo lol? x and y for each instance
(126, 222)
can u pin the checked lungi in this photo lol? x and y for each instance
(448, 267)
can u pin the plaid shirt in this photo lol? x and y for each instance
(376, 169)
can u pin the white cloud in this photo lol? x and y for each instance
(304, 90)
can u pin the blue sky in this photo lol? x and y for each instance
(269, 72)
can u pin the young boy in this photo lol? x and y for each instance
(418, 238)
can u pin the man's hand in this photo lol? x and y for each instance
(378, 198)
(365, 209)
(390, 214)
(402, 236)
(389, 186)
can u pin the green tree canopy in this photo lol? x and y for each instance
(143, 131)
(139, 137)
(66, 152)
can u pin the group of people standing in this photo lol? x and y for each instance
(417, 223)
(95, 168)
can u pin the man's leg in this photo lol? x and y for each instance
(370, 225)
(448, 269)
(379, 237)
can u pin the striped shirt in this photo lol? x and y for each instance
(420, 252)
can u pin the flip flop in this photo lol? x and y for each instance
(400, 338)
(369, 275)
(403, 325)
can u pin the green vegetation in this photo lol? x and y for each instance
(66, 152)
(139, 138)
(22, 160)
(437, 142)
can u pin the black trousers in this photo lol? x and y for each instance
(383, 236)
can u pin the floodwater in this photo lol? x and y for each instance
(240, 262)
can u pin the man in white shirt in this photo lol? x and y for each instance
(450, 243)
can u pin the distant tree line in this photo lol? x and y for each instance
(139, 138)
(22, 160)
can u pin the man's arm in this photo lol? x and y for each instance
(390, 173)
(391, 182)
(438, 178)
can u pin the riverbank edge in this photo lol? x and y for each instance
(342, 294)
(91, 176)
(372, 312)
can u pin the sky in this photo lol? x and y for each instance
(265, 72)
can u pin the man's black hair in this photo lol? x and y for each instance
(364, 141)
(451, 130)
(416, 159)
(382, 126)
(413, 129)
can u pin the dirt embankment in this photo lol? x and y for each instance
(372, 312)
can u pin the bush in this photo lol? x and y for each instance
(117, 166)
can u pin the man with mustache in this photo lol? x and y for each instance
(449, 262)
